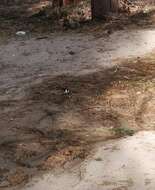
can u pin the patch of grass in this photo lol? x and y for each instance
(123, 131)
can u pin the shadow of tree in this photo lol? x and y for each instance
(61, 117)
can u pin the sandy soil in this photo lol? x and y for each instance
(25, 60)
(125, 164)
(61, 94)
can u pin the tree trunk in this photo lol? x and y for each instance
(69, 2)
(102, 7)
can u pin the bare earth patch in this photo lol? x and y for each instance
(60, 117)
(62, 93)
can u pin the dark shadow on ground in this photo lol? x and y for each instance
(61, 117)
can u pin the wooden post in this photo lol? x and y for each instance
(100, 8)
(114, 5)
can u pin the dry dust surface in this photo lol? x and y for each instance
(63, 93)
(125, 164)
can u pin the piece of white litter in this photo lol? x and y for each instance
(21, 33)
(138, 93)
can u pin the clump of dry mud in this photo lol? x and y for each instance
(61, 117)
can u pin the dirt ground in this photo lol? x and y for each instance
(121, 164)
(61, 93)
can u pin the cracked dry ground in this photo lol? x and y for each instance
(49, 127)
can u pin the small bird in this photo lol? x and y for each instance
(66, 91)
